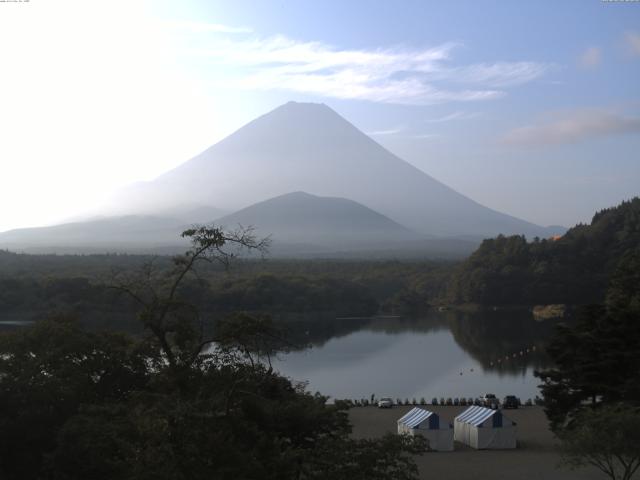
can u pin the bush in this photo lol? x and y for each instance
(606, 437)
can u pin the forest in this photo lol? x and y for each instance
(508, 271)
(136, 360)
(573, 269)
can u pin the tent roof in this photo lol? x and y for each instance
(475, 415)
(415, 417)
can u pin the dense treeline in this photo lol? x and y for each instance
(29, 298)
(294, 294)
(573, 269)
(32, 286)
(592, 392)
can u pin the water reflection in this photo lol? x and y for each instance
(439, 354)
(9, 325)
(448, 354)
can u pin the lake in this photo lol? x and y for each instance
(438, 354)
(446, 354)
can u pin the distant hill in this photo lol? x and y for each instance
(131, 233)
(194, 213)
(299, 224)
(309, 147)
(574, 268)
(119, 233)
(301, 218)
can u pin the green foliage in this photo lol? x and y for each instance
(35, 286)
(623, 294)
(47, 372)
(598, 360)
(71, 413)
(293, 294)
(606, 438)
(573, 269)
(175, 404)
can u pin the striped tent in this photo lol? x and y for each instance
(484, 428)
(419, 421)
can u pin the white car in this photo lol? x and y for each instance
(385, 403)
(490, 401)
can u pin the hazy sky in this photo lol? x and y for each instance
(531, 108)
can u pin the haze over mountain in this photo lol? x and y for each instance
(299, 225)
(302, 219)
(351, 195)
(299, 216)
(129, 233)
(309, 147)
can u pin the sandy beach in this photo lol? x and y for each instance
(536, 457)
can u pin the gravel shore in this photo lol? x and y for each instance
(536, 457)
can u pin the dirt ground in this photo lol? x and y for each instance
(536, 457)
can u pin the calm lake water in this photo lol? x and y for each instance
(11, 324)
(441, 355)
(447, 354)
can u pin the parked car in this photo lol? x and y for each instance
(385, 403)
(510, 401)
(489, 400)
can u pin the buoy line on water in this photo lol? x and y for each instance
(508, 357)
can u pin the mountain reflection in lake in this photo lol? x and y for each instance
(441, 355)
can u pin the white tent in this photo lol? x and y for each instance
(423, 422)
(484, 428)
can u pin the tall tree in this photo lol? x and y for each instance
(607, 438)
(174, 323)
(598, 360)
(183, 404)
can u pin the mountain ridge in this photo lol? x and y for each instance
(300, 217)
(309, 147)
(300, 225)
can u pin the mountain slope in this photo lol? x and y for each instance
(303, 218)
(131, 233)
(300, 225)
(311, 148)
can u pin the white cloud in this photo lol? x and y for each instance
(455, 116)
(499, 74)
(632, 39)
(590, 58)
(390, 75)
(573, 127)
(390, 131)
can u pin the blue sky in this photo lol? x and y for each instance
(531, 108)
